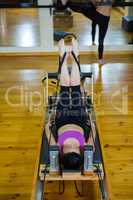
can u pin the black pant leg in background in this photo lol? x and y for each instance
(87, 9)
(103, 27)
(93, 32)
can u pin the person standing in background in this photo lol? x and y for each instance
(99, 12)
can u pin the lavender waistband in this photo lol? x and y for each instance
(71, 134)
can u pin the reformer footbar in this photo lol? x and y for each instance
(54, 75)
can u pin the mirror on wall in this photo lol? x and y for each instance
(19, 27)
(15, 22)
(119, 31)
(10, 3)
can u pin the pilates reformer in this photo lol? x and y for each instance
(50, 167)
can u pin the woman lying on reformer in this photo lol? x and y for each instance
(73, 129)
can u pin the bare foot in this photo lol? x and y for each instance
(93, 43)
(101, 62)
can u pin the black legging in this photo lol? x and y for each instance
(71, 112)
(93, 32)
(90, 12)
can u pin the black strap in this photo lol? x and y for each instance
(61, 61)
(69, 34)
(76, 60)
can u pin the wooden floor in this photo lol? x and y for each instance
(15, 22)
(20, 132)
(114, 110)
(21, 127)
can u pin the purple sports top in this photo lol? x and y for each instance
(71, 134)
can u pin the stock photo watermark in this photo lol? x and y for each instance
(32, 100)
(35, 100)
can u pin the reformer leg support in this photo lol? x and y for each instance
(55, 75)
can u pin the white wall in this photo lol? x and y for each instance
(46, 25)
(44, 2)
(129, 10)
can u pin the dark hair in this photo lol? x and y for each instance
(72, 160)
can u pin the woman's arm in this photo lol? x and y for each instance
(50, 135)
(91, 139)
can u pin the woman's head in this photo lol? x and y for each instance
(72, 160)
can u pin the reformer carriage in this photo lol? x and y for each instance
(50, 168)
